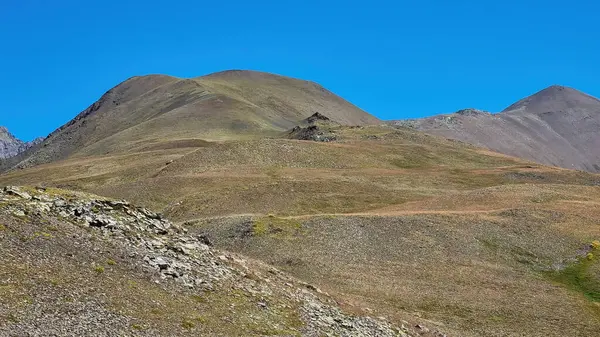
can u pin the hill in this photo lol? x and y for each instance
(77, 264)
(161, 111)
(556, 126)
(10, 146)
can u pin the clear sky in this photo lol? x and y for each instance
(395, 59)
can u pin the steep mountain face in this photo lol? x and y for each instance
(10, 146)
(557, 126)
(146, 110)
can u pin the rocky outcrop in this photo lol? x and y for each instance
(181, 260)
(317, 127)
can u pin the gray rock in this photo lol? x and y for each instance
(179, 259)
(15, 191)
(10, 146)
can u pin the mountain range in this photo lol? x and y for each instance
(293, 212)
(557, 126)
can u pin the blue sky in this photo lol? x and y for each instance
(395, 59)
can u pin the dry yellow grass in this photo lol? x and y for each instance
(411, 226)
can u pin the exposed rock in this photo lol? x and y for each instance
(10, 146)
(317, 128)
(12, 190)
(317, 116)
(472, 112)
(177, 259)
(313, 133)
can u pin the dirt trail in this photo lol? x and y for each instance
(356, 214)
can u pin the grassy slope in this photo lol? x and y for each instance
(147, 110)
(44, 276)
(59, 277)
(394, 220)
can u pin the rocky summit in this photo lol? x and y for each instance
(78, 264)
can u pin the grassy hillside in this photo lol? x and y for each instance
(74, 264)
(146, 110)
(411, 226)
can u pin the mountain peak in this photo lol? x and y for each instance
(253, 75)
(557, 87)
(555, 98)
(10, 146)
(5, 134)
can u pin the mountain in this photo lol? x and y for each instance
(157, 111)
(557, 126)
(10, 146)
(435, 235)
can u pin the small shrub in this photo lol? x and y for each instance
(189, 325)
(589, 256)
(99, 269)
(596, 244)
(136, 327)
(259, 228)
(111, 262)
(28, 300)
(2, 227)
(12, 318)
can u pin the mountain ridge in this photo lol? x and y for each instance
(551, 93)
(556, 126)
